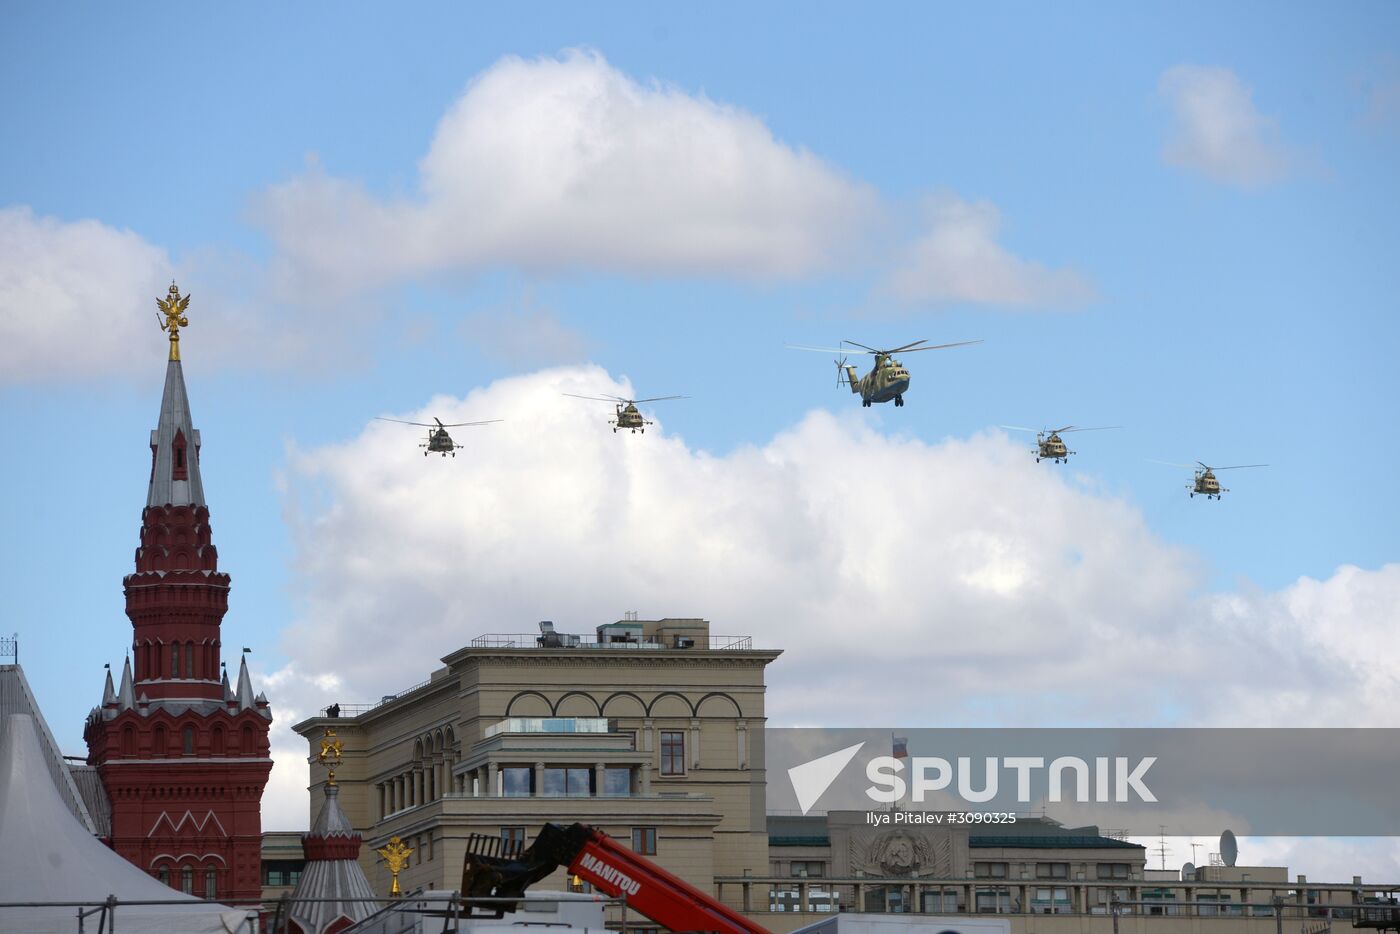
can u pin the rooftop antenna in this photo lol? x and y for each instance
(1229, 850)
(1162, 844)
(1194, 847)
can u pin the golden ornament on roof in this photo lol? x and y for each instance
(173, 307)
(396, 857)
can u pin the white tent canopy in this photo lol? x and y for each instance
(47, 855)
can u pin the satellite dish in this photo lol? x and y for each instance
(1229, 850)
(1188, 872)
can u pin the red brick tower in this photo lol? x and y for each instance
(182, 757)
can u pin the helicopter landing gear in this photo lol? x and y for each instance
(899, 401)
(865, 403)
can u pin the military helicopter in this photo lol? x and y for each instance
(887, 380)
(1050, 446)
(627, 415)
(439, 441)
(1205, 481)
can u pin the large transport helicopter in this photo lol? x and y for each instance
(887, 380)
(439, 441)
(1048, 443)
(627, 415)
(1205, 482)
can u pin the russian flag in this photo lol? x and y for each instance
(901, 747)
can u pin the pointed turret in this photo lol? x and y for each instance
(228, 692)
(245, 697)
(109, 695)
(126, 697)
(333, 890)
(175, 479)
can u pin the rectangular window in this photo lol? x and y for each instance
(517, 781)
(644, 840)
(1052, 870)
(989, 870)
(672, 752)
(617, 782)
(568, 781)
(809, 869)
(1112, 871)
(513, 839)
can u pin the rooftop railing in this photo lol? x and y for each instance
(529, 640)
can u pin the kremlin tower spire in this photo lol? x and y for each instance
(183, 762)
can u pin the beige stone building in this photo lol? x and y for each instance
(651, 730)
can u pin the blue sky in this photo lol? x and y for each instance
(1175, 218)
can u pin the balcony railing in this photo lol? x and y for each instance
(529, 640)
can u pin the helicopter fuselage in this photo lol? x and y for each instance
(629, 418)
(440, 442)
(1052, 448)
(887, 381)
(1207, 485)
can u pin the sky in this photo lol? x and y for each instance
(1174, 218)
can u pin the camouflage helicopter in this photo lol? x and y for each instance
(1050, 446)
(627, 415)
(439, 441)
(1205, 481)
(887, 380)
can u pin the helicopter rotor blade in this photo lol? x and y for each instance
(863, 347)
(613, 399)
(1239, 466)
(656, 399)
(1101, 428)
(907, 347)
(402, 422)
(817, 349)
(471, 424)
(938, 346)
(1019, 428)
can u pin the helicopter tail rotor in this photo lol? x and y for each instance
(841, 377)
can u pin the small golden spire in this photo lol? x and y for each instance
(396, 855)
(329, 756)
(173, 307)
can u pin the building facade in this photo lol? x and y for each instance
(650, 730)
(182, 758)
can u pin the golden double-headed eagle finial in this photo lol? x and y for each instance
(329, 756)
(396, 857)
(173, 307)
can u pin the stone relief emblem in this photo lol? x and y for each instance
(899, 853)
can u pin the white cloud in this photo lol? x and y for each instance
(78, 302)
(1217, 130)
(76, 298)
(958, 259)
(561, 163)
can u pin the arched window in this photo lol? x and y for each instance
(175, 660)
(211, 882)
(187, 880)
(159, 747)
(163, 874)
(128, 740)
(247, 745)
(189, 660)
(187, 740)
(216, 740)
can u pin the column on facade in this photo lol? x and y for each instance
(539, 778)
(493, 774)
(646, 777)
(694, 742)
(741, 727)
(600, 778)
(382, 811)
